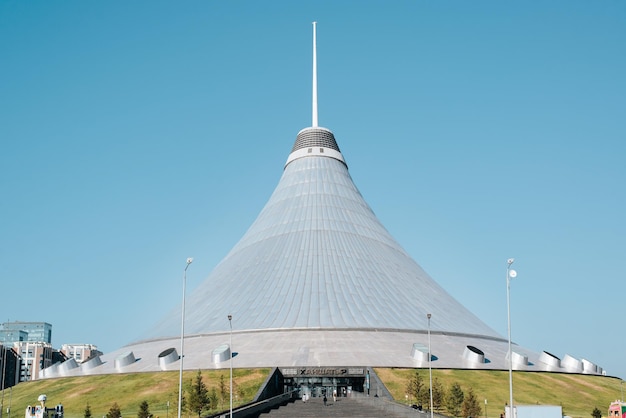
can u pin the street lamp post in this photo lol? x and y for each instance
(230, 349)
(430, 370)
(510, 274)
(182, 339)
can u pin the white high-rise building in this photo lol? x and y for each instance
(35, 356)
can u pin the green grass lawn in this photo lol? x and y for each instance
(577, 394)
(128, 391)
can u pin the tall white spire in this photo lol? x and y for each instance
(314, 123)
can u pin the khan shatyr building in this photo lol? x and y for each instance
(317, 287)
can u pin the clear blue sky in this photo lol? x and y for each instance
(137, 134)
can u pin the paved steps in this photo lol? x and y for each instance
(342, 408)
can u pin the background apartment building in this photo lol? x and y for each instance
(26, 350)
(9, 366)
(16, 331)
(80, 352)
(32, 343)
(35, 356)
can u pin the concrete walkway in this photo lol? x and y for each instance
(343, 407)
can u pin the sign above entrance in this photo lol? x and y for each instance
(323, 371)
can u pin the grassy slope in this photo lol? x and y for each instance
(577, 394)
(128, 390)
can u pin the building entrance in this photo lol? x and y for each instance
(329, 382)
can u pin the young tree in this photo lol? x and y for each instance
(213, 398)
(471, 407)
(596, 413)
(424, 397)
(144, 411)
(438, 394)
(87, 413)
(223, 389)
(174, 404)
(415, 386)
(114, 412)
(198, 395)
(454, 400)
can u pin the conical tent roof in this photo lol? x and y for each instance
(317, 281)
(318, 258)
